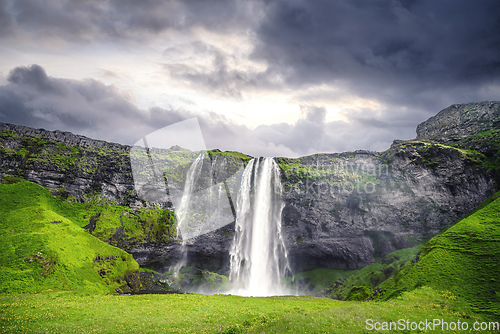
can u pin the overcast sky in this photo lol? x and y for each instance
(271, 78)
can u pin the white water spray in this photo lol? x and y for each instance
(258, 256)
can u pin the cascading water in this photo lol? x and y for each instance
(206, 201)
(183, 210)
(258, 255)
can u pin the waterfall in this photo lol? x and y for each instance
(183, 210)
(206, 202)
(258, 254)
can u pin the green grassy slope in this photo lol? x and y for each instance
(43, 245)
(464, 259)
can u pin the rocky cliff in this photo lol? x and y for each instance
(70, 164)
(459, 121)
(341, 210)
(344, 210)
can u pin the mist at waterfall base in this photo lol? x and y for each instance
(251, 197)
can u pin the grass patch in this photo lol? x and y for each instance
(234, 154)
(190, 313)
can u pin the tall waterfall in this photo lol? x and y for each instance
(258, 254)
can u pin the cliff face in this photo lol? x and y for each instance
(459, 121)
(71, 164)
(341, 210)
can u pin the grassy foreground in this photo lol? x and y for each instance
(67, 312)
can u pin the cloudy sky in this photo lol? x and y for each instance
(272, 78)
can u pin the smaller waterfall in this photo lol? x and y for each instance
(206, 201)
(258, 256)
(183, 210)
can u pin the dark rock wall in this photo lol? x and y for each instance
(73, 165)
(343, 210)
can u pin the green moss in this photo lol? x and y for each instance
(235, 154)
(9, 179)
(146, 270)
(331, 170)
(358, 293)
(468, 110)
(8, 134)
(487, 142)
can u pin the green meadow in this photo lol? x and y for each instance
(68, 312)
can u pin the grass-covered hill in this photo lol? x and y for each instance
(44, 245)
(464, 259)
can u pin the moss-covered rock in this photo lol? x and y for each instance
(359, 293)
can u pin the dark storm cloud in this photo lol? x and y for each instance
(35, 78)
(395, 51)
(33, 98)
(216, 77)
(78, 21)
